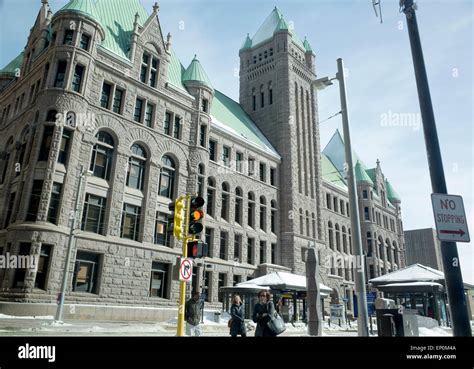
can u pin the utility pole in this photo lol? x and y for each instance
(449, 251)
(362, 327)
(60, 308)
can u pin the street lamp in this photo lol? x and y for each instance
(320, 84)
(73, 217)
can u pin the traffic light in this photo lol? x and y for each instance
(196, 214)
(178, 207)
(197, 249)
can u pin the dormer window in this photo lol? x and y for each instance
(149, 69)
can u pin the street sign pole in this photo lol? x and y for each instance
(449, 251)
(182, 284)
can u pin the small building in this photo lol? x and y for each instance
(422, 246)
(291, 288)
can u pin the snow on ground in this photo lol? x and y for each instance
(42, 317)
(436, 331)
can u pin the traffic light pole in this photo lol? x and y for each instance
(182, 284)
(449, 251)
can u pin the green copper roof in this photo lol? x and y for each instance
(11, 67)
(307, 46)
(86, 7)
(360, 173)
(247, 43)
(272, 24)
(196, 73)
(330, 173)
(229, 116)
(175, 72)
(371, 174)
(392, 195)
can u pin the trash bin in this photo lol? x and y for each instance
(386, 326)
(217, 317)
(396, 322)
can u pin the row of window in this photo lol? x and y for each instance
(252, 255)
(337, 205)
(305, 219)
(238, 164)
(261, 56)
(384, 249)
(260, 95)
(388, 223)
(334, 238)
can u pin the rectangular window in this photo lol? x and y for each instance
(251, 167)
(131, 222)
(270, 96)
(64, 147)
(341, 206)
(273, 176)
(221, 283)
(237, 279)
(93, 216)
(238, 209)
(226, 155)
(365, 194)
(137, 115)
(207, 286)
(210, 240)
(262, 99)
(105, 96)
(254, 101)
(328, 201)
(54, 203)
(223, 246)
(43, 267)
(205, 105)
(117, 104)
(202, 135)
(154, 71)
(35, 199)
(86, 272)
(177, 127)
(237, 247)
(366, 213)
(273, 220)
(239, 158)
(273, 253)
(60, 74)
(335, 204)
(20, 273)
(250, 250)
(263, 172)
(11, 203)
(77, 78)
(163, 230)
(85, 41)
(263, 250)
(159, 280)
(150, 111)
(46, 143)
(212, 150)
(167, 124)
(68, 36)
(347, 209)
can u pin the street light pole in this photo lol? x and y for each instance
(60, 308)
(449, 251)
(362, 327)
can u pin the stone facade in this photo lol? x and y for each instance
(285, 204)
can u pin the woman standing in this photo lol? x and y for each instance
(262, 313)
(238, 315)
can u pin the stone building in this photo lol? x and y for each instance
(99, 87)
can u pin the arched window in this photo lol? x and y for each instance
(338, 237)
(273, 215)
(270, 93)
(301, 222)
(389, 250)
(396, 254)
(381, 252)
(225, 201)
(167, 177)
(149, 71)
(344, 240)
(263, 213)
(136, 167)
(330, 236)
(350, 242)
(6, 160)
(239, 201)
(200, 180)
(251, 210)
(211, 196)
(102, 155)
(313, 218)
(254, 99)
(262, 97)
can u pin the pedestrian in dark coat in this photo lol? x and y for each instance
(262, 312)
(237, 311)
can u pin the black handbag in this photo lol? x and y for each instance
(276, 324)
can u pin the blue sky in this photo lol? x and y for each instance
(380, 81)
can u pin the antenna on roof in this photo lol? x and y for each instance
(376, 3)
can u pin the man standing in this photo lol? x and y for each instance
(193, 315)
